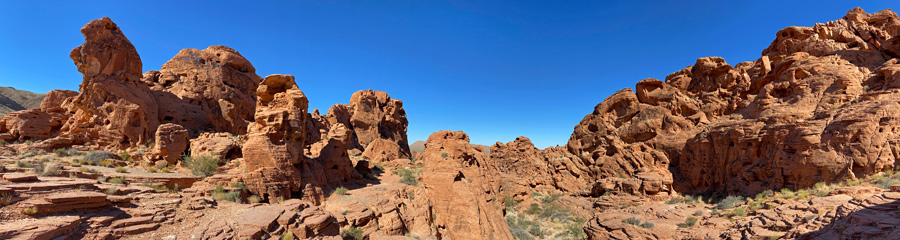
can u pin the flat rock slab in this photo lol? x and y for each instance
(50, 185)
(84, 197)
(262, 218)
(41, 228)
(19, 177)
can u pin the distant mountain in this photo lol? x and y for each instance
(419, 146)
(12, 100)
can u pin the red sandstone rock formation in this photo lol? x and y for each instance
(463, 189)
(119, 107)
(373, 115)
(273, 153)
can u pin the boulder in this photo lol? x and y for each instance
(171, 142)
(217, 145)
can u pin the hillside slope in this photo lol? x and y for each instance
(12, 100)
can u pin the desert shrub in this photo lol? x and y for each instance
(511, 203)
(803, 193)
(852, 182)
(740, 212)
(28, 142)
(218, 193)
(74, 152)
(112, 191)
(107, 163)
(647, 225)
(730, 202)
(94, 157)
(533, 209)
(352, 233)
(253, 199)
(755, 205)
(887, 182)
(24, 164)
(121, 169)
(203, 166)
(632, 220)
(688, 222)
(690, 200)
(61, 152)
(125, 156)
(787, 193)
(287, 235)
(101, 179)
(340, 190)
(233, 196)
(698, 213)
(238, 185)
(3, 142)
(117, 180)
(51, 169)
(160, 165)
(761, 196)
(29, 154)
(443, 155)
(408, 176)
(5, 199)
(30, 211)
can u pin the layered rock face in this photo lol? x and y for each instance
(275, 142)
(817, 106)
(463, 188)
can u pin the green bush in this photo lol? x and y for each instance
(238, 185)
(94, 157)
(3, 142)
(647, 225)
(698, 213)
(688, 222)
(340, 190)
(632, 220)
(730, 202)
(74, 152)
(125, 156)
(5, 199)
(353, 233)
(408, 176)
(511, 203)
(287, 235)
(443, 155)
(61, 152)
(203, 166)
(121, 169)
(253, 199)
(117, 180)
(51, 169)
(690, 200)
(740, 212)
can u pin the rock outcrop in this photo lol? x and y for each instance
(206, 89)
(815, 107)
(119, 107)
(373, 115)
(274, 154)
(463, 188)
(171, 142)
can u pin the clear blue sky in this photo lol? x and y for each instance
(494, 69)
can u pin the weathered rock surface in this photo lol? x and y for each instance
(171, 142)
(206, 89)
(463, 189)
(217, 145)
(119, 107)
(373, 115)
(274, 154)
